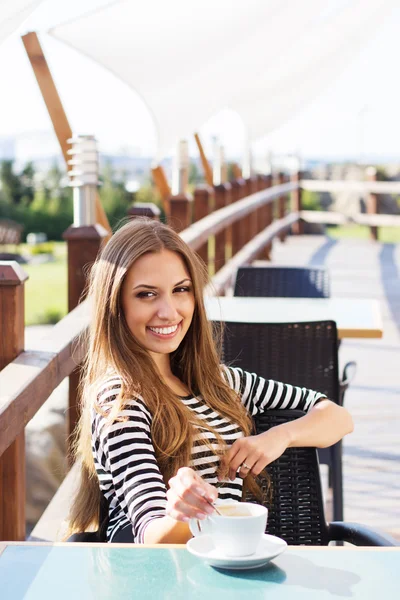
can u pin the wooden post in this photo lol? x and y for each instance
(297, 228)
(237, 171)
(160, 179)
(222, 198)
(12, 462)
(83, 245)
(55, 108)
(251, 220)
(262, 184)
(239, 227)
(144, 209)
(201, 208)
(268, 217)
(208, 174)
(372, 203)
(180, 216)
(282, 201)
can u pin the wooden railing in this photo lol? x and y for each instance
(249, 216)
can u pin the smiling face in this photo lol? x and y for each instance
(158, 301)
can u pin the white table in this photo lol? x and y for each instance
(354, 317)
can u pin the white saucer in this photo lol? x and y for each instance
(269, 547)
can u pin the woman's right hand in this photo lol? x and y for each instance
(187, 496)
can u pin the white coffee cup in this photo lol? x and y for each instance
(237, 531)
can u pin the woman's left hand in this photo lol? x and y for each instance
(252, 454)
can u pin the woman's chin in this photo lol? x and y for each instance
(164, 347)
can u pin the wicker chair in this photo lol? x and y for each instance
(303, 354)
(284, 282)
(296, 509)
(295, 505)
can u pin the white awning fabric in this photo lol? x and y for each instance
(13, 13)
(189, 59)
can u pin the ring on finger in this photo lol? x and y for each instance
(244, 466)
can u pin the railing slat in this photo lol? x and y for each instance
(222, 194)
(202, 199)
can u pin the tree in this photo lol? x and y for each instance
(195, 176)
(114, 196)
(27, 179)
(17, 188)
(11, 189)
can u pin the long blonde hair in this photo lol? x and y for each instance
(112, 348)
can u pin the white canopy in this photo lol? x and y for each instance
(190, 58)
(13, 13)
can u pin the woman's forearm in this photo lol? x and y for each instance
(324, 425)
(166, 531)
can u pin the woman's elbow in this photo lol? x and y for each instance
(350, 423)
(340, 424)
(346, 421)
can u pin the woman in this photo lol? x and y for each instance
(165, 429)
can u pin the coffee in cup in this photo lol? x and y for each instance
(233, 510)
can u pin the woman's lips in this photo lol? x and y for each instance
(164, 336)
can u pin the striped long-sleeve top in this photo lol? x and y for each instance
(124, 456)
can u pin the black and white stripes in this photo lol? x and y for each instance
(124, 454)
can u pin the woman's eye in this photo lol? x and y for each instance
(183, 288)
(145, 295)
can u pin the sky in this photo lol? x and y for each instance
(356, 118)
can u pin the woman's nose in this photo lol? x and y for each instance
(167, 310)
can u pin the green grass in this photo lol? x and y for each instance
(46, 299)
(387, 235)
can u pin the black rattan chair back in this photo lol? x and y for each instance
(295, 503)
(303, 354)
(284, 282)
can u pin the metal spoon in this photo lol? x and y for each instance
(214, 507)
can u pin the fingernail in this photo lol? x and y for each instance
(185, 519)
(201, 516)
(201, 492)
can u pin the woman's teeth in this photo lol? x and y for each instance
(164, 330)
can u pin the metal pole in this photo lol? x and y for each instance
(84, 178)
(180, 175)
(219, 166)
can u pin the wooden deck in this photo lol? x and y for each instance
(365, 269)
